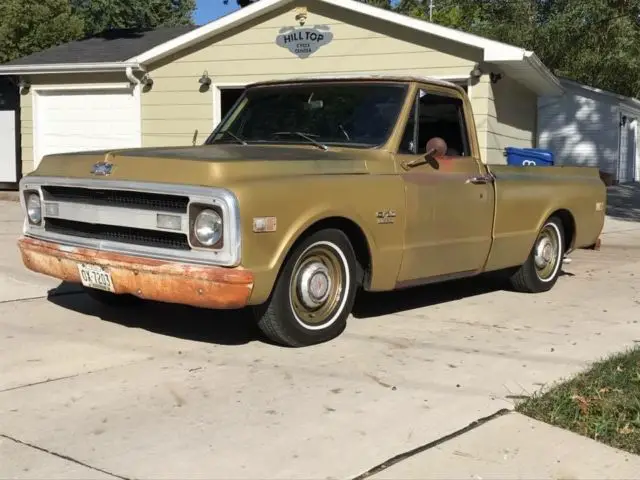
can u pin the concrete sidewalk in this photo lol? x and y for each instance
(513, 446)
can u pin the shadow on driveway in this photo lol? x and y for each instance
(238, 327)
(223, 327)
(623, 202)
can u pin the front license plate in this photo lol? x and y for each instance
(93, 276)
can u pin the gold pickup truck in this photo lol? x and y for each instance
(306, 192)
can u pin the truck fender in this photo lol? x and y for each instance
(307, 221)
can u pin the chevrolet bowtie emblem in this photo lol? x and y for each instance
(102, 168)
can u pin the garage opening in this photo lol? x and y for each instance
(228, 98)
(85, 119)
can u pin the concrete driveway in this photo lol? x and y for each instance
(169, 392)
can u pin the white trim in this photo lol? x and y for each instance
(220, 25)
(36, 90)
(216, 90)
(534, 61)
(46, 69)
(82, 86)
(493, 51)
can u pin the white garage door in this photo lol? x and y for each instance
(81, 120)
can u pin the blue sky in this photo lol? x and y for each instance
(208, 10)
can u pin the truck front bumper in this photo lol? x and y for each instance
(163, 281)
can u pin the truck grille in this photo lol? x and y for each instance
(117, 198)
(137, 236)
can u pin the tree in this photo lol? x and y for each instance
(378, 3)
(27, 26)
(101, 15)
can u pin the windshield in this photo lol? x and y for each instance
(352, 114)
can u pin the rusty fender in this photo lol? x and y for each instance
(173, 282)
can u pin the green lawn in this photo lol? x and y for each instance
(602, 403)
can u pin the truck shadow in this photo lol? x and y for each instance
(369, 305)
(223, 327)
(623, 202)
(238, 327)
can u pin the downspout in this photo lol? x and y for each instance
(132, 78)
(134, 82)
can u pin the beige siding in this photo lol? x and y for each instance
(26, 106)
(505, 115)
(359, 46)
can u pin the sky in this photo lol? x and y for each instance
(208, 10)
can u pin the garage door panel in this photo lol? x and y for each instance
(89, 127)
(86, 120)
(95, 116)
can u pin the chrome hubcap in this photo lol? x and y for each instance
(547, 252)
(314, 285)
(317, 285)
(544, 253)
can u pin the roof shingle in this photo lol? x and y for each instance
(111, 46)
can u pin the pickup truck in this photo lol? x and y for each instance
(307, 191)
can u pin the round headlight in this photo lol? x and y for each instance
(34, 208)
(208, 228)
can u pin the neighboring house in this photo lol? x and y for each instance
(10, 160)
(588, 126)
(154, 90)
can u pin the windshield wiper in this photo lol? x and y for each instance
(234, 136)
(307, 137)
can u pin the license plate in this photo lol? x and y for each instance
(93, 276)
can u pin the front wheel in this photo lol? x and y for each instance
(314, 293)
(541, 270)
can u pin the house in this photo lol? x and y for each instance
(592, 127)
(169, 86)
(10, 158)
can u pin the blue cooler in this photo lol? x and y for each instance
(528, 157)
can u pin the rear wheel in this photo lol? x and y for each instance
(314, 293)
(541, 270)
(112, 299)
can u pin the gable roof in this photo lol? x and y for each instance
(113, 46)
(623, 101)
(518, 63)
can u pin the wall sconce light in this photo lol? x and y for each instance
(24, 85)
(495, 77)
(205, 80)
(476, 72)
(623, 121)
(146, 80)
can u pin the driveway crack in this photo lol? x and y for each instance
(61, 456)
(422, 448)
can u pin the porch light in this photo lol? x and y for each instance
(205, 79)
(146, 80)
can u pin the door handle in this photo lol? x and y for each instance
(479, 180)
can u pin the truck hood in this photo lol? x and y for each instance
(209, 165)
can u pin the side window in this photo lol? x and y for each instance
(438, 116)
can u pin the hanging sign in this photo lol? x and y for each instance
(304, 41)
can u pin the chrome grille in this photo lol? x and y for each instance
(135, 236)
(132, 218)
(116, 198)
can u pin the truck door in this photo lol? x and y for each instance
(450, 198)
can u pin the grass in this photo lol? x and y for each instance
(602, 403)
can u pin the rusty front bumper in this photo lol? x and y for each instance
(196, 285)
